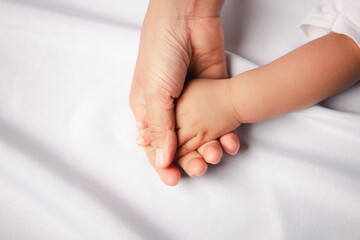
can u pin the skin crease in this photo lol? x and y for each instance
(201, 117)
(179, 39)
(303, 77)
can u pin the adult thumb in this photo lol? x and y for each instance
(161, 121)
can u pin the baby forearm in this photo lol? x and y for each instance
(297, 80)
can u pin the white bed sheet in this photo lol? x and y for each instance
(69, 168)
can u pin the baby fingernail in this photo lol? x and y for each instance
(237, 149)
(159, 157)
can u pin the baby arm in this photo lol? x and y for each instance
(301, 78)
(203, 112)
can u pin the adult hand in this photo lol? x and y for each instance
(179, 39)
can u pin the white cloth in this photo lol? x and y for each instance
(340, 16)
(69, 166)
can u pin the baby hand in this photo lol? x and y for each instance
(204, 112)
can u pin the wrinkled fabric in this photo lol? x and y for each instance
(340, 16)
(70, 168)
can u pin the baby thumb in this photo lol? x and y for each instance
(161, 121)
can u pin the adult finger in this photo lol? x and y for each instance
(143, 140)
(170, 175)
(161, 120)
(137, 104)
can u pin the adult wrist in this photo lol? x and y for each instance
(187, 8)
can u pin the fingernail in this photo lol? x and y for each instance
(237, 150)
(140, 125)
(140, 141)
(159, 157)
(204, 171)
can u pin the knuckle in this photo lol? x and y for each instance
(156, 132)
(159, 98)
(165, 80)
(184, 149)
(156, 90)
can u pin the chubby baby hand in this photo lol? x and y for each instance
(204, 112)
